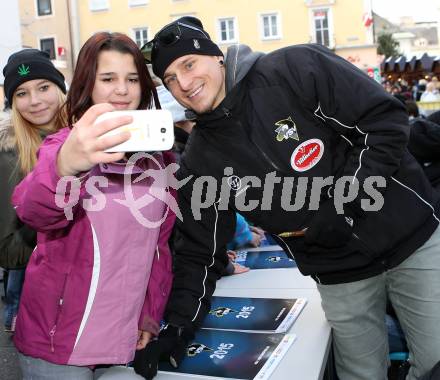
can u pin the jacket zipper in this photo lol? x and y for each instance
(54, 327)
(265, 156)
(228, 114)
(363, 244)
(57, 316)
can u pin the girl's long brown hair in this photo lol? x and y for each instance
(28, 137)
(79, 98)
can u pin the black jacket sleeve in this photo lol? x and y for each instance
(424, 145)
(17, 240)
(424, 141)
(200, 258)
(353, 105)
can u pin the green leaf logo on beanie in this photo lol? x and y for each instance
(23, 70)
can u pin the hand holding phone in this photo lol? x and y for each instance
(85, 147)
(151, 130)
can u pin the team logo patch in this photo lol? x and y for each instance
(196, 44)
(307, 155)
(196, 348)
(286, 130)
(234, 182)
(222, 311)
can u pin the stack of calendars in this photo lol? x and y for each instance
(241, 338)
(264, 259)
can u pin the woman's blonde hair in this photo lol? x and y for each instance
(27, 135)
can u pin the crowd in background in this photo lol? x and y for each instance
(422, 90)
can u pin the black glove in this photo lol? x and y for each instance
(328, 228)
(169, 346)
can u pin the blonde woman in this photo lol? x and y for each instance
(35, 90)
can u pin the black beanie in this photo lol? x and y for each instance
(190, 41)
(26, 65)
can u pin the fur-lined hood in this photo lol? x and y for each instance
(7, 136)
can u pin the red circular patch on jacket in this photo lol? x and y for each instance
(307, 155)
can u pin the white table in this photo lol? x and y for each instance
(307, 357)
(282, 278)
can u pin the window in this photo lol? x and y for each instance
(140, 36)
(98, 5)
(44, 7)
(137, 3)
(321, 26)
(270, 24)
(48, 45)
(227, 30)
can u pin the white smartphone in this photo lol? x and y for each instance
(151, 130)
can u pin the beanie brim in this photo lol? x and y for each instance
(38, 70)
(163, 56)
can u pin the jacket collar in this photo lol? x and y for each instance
(239, 61)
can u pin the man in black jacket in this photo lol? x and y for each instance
(305, 145)
(424, 145)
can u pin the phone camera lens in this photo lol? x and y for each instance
(163, 130)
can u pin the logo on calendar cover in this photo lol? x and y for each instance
(197, 348)
(274, 259)
(222, 311)
(307, 155)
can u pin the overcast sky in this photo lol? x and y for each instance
(421, 10)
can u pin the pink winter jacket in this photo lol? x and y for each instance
(93, 281)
